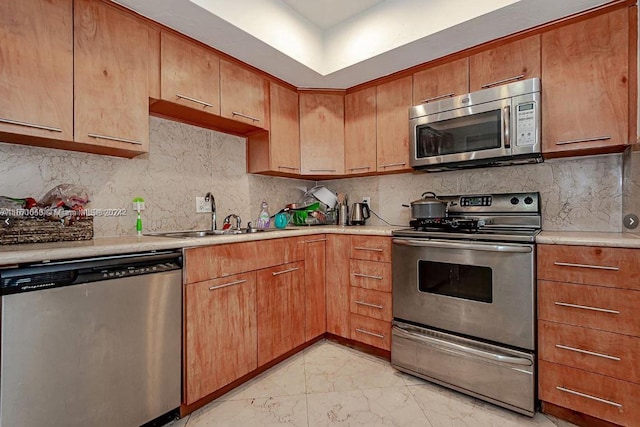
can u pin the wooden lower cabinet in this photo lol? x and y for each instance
(221, 333)
(370, 303)
(371, 275)
(281, 314)
(314, 287)
(371, 331)
(337, 264)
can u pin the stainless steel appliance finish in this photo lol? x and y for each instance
(430, 206)
(93, 342)
(464, 298)
(495, 126)
(359, 213)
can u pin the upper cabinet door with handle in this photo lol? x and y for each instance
(585, 85)
(243, 95)
(36, 68)
(442, 81)
(507, 63)
(190, 74)
(111, 65)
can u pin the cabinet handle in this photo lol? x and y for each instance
(235, 113)
(446, 95)
(586, 307)
(197, 101)
(498, 82)
(362, 331)
(322, 170)
(113, 138)
(579, 350)
(575, 141)
(316, 240)
(388, 165)
(30, 125)
(288, 167)
(366, 276)
(237, 282)
(361, 248)
(360, 168)
(277, 273)
(595, 267)
(588, 396)
(369, 305)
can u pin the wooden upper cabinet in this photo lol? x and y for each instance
(190, 74)
(111, 79)
(507, 63)
(442, 81)
(322, 133)
(243, 95)
(285, 129)
(36, 69)
(585, 84)
(360, 131)
(393, 102)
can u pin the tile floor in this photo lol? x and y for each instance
(332, 385)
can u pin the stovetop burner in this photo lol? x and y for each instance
(446, 224)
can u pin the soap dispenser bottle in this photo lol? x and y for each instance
(264, 220)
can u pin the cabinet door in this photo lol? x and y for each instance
(190, 74)
(242, 95)
(585, 68)
(220, 333)
(504, 64)
(285, 129)
(280, 293)
(442, 81)
(360, 131)
(111, 78)
(322, 133)
(338, 250)
(314, 284)
(393, 100)
(36, 68)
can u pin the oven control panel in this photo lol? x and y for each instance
(506, 203)
(475, 201)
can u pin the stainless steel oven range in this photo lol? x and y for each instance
(464, 298)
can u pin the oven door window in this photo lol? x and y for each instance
(470, 282)
(477, 132)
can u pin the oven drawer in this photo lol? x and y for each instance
(611, 267)
(467, 365)
(597, 307)
(371, 248)
(614, 355)
(371, 275)
(370, 303)
(593, 394)
(371, 331)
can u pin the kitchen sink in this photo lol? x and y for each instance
(208, 233)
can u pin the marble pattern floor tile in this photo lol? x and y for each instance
(331, 385)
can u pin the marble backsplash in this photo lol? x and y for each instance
(184, 162)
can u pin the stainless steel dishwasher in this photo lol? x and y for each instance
(91, 342)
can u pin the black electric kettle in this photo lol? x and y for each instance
(359, 213)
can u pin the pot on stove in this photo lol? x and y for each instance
(429, 207)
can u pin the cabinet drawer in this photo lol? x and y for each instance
(371, 331)
(371, 248)
(605, 353)
(369, 303)
(596, 395)
(607, 309)
(370, 275)
(611, 267)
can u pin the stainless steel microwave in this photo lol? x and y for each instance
(496, 126)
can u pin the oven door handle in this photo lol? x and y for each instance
(461, 349)
(466, 245)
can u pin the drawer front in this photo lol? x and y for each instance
(371, 331)
(370, 303)
(606, 353)
(370, 275)
(600, 396)
(612, 267)
(596, 307)
(371, 248)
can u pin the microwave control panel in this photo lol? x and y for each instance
(526, 124)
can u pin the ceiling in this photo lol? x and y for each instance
(342, 43)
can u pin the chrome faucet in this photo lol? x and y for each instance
(209, 198)
(227, 220)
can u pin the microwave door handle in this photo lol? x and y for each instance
(468, 246)
(506, 125)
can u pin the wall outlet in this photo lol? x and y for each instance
(367, 200)
(202, 205)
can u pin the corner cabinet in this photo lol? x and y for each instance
(314, 287)
(586, 71)
(321, 133)
(111, 79)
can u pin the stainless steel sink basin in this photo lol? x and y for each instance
(208, 233)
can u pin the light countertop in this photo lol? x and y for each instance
(579, 238)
